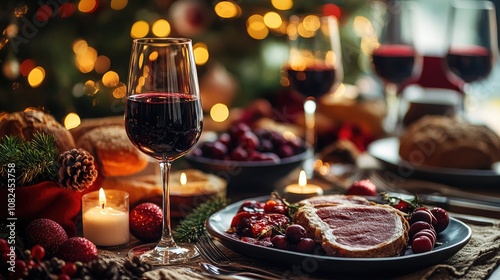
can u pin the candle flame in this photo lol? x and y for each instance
(183, 179)
(302, 178)
(102, 198)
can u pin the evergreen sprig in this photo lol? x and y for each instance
(35, 161)
(193, 226)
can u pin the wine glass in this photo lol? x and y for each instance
(163, 119)
(395, 59)
(314, 66)
(473, 45)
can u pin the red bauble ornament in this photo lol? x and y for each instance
(145, 222)
(77, 249)
(46, 233)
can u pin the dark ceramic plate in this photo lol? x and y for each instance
(454, 238)
(387, 151)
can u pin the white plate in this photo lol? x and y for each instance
(387, 151)
(454, 238)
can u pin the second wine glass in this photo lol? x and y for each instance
(163, 119)
(314, 67)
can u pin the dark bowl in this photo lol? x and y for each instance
(249, 177)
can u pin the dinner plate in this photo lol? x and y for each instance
(451, 240)
(386, 150)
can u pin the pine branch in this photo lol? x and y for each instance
(193, 226)
(34, 160)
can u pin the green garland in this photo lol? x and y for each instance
(193, 226)
(35, 161)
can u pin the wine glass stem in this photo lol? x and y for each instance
(392, 119)
(166, 236)
(310, 119)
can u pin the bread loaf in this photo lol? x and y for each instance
(115, 154)
(439, 141)
(89, 124)
(26, 123)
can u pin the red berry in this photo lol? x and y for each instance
(362, 187)
(418, 226)
(69, 269)
(426, 233)
(4, 246)
(280, 242)
(38, 252)
(403, 206)
(239, 154)
(270, 204)
(63, 276)
(294, 233)
(306, 245)
(249, 140)
(421, 215)
(421, 244)
(442, 217)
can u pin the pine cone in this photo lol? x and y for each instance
(76, 169)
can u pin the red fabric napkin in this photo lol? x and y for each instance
(46, 200)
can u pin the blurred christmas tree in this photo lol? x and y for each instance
(72, 56)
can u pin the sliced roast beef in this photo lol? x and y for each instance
(356, 230)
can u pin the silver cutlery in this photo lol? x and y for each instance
(210, 252)
(222, 273)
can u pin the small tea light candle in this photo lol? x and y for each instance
(105, 217)
(302, 190)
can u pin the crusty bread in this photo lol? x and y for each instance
(355, 230)
(89, 124)
(115, 154)
(438, 141)
(25, 123)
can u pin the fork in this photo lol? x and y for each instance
(210, 252)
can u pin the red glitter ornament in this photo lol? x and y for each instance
(77, 249)
(46, 233)
(145, 222)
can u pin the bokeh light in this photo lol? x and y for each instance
(26, 66)
(201, 54)
(66, 10)
(282, 4)
(102, 64)
(118, 4)
(36, 76)
(219, 112)
(72, 120)
(120, 91)
(161, 28)
(256, 27)
(110, 79)
(139, 29)
(87, 6)
(227, 9)
(272, 20)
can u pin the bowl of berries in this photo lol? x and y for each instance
(250, 160)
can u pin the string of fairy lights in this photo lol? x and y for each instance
(88, 59)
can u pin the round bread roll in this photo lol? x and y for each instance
(89, 124)
(115, 154)
(25, 123)
(440, 141)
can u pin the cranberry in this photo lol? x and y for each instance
(38, 252)
(426, 233)
(442, 217)
(249, 140)
(63, 276)
(418, 226)
(69, 268)
(4, 246)
(239, 154)
(285, 151)
(421, 244)
(266, 145)
(268, 157)
(305, 245)
(225, 139)
(294, 233)
(403, 206)
(215, 150)
(280, 242)
(236, 130)
(421, 215)
(268, 207)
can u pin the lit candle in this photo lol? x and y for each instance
(302, 190)
(105, 217)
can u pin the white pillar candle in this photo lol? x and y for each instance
(106, 218)
(302, 190)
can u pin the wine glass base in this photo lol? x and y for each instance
(155, 255)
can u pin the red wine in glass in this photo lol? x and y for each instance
(394, 63)
(164, 126)
(313, 81)
(470, 63)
